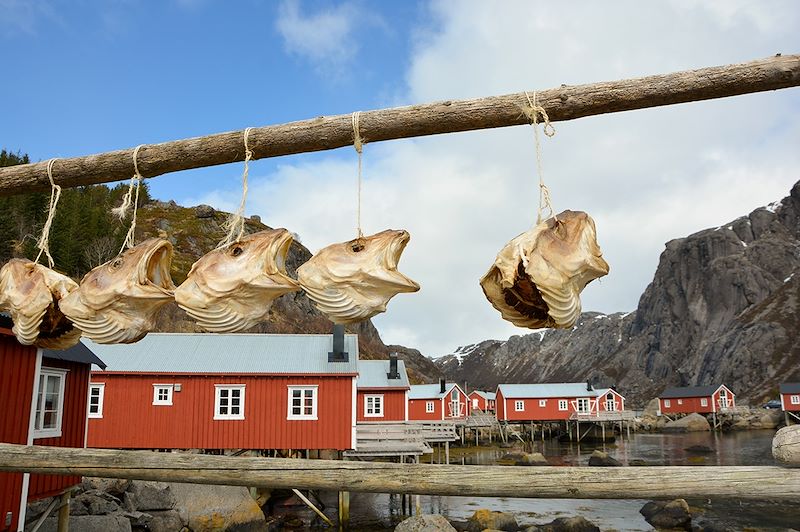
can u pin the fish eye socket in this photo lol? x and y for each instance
(236, 251)
(116, 263)
(358, 246)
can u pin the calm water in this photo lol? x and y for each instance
(381, 511)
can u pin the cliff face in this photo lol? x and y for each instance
(724, 306)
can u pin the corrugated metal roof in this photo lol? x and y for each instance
(689, 391)
(373, 374)
(489, 396)
(555, 389)
(428, 391)
(295, 354)
(77, 353)
(790, 387)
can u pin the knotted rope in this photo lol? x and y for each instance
(130, 199)
(235, 223)
(44, 240)
(532, 113)
(358, 144)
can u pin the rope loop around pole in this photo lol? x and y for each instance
(235, 223)
(131, 199)
(358, 144)
(532, 112)
(44, 240)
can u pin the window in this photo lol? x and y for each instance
(454, 395)
(795, 400)
(229, 401)
(519, 406)
(162, 394)
(667, 403)
(49, 403)
(562, 404)
(542, 403)
(680, 401)
(429, 407)
(723, 392)
(303, 402)
(373, 406)
(703, 401)
(96, 393)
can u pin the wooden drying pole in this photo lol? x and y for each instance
(328, 132)
(742, 482)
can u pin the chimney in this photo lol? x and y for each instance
(393, 373)
(338, 354)
(589, 387)
(442, 386)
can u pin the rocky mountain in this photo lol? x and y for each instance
(723, 306)
(195, 231)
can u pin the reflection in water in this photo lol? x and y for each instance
(382, 511)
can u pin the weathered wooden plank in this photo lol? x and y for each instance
(743, 482)
(329, 132)
(786, 446)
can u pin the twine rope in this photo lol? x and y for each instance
(44, 240)
(130, 199)
(532, 112)
(358, 144)
(235, 222)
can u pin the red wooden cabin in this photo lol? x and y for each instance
(43, 400)
(790, 396)
(484, 401)
(699, 399)
(382, 391)
(437, 402)
(226, 391)
(554, 401)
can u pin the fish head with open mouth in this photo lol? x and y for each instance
(537, 278)
(30, 293)
(232, 288)
(352, 281)
(117, 302)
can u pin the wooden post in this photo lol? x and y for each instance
(309, 504)
(63, 512)
(344, 509)
(603, 431)
(447, 452)
(325, 133)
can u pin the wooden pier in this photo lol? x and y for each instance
(389, 440)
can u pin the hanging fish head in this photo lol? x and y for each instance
(117, 302)
(232, 288)
(538, 276)
(30, 293)
(353, 281)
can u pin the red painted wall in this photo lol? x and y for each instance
(532, 411)
(131, 421)
(17, 367)
(73, 426)
(786, 401)
(416, 410)
(482, 403)
(394, 405)
(688, 405)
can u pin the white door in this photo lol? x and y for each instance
(475, 404)
(611, 405)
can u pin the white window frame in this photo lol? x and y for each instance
(53, 432)
(563, 405)
(519, 405)
(157, 401)
(430, 408)
(794, 399)
(218, 388)
(314, 388)
(377, 405)
(542, 403)
(703, 401)
(667, 403)
(101, 387)
(680, 401)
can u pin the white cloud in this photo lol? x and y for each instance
(22, 16)
(324, 38)
(646, 177)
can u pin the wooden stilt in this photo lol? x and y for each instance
(447, 452)
(63, 512)
(344, 509)
(307, 503)
(603, 431)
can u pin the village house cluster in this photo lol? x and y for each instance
(291, 394)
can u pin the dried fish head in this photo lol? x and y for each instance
(117, 302)
(537, 278)
(30, 293)
(232, 288)
(353, 281)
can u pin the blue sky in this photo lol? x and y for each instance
(93, 76)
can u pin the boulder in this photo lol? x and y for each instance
(204, 211)
(93, 502)
(112, 486)
(599, 458)
(531, 459)
(218, 507)
(786, 446)
(566, 524)
(90, 523)
(147, 496)
(425, 523)
(483, 519)
(161, 521)
(673, 514)
(700, 449)
(691, 423)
